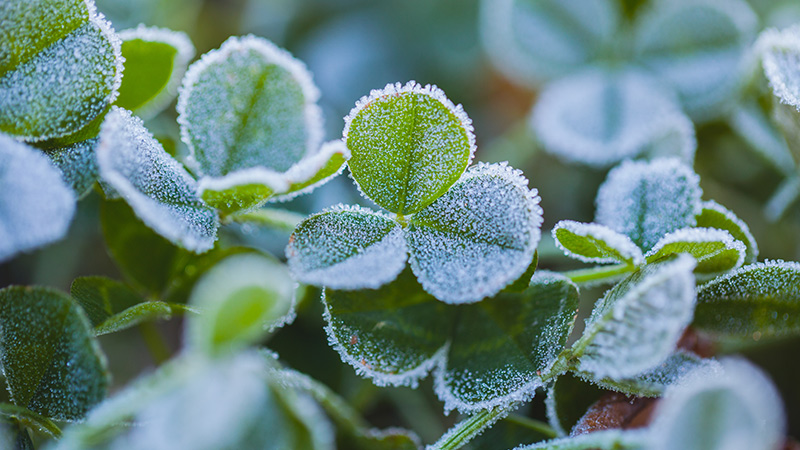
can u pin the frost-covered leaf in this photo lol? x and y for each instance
(478, 237)
(568, 399)
(752, 123)
(761, 300)
(715, 250)
(612, 439)
(347, 248)
(590, 242)
(736, 408)
(315, 170)
(155, 61)
(29, 419)
(522, 282)
(60, 68)
(646, 200)
(636, 325)
(408, 145)
(36, 206)
(78, 165)
(239, 301)
(52, 363)
(780, 58)
(714, 215)
(157, 187)
(242, 190)
(600, 117)
(698, 47)
(536, 40)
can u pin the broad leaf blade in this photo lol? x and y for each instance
(715, 250)
(714, 215)
(78, 165)
(102, 297)
(780, 58)
(243, 190)
(590, 242)
(347, 248)
(478, 237)
(52, 362)
(408, 145)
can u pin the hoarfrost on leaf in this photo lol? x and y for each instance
(715, 250)
(158, 188)
(714, 215)
(590, 242)
(78, 165)
(780, 58)
(478, 237)
(646, 200)
(315, 170)
(36, 205)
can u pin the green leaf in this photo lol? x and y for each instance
(780, 55)
(536, 40)
(242, 191)
(714, 215)
(477, 238)
(715, 250)
(52, 362)
(613, 439)
(759, 300)
(239, 301)
(155, 61)
(36, 206)
(60, 68)
(408, 145)
(158, 188)
(590, 242)
(316, 170)
(636, 325)
(347, 247)
(568, 399)
(30, 419)
(522, 282)
(78, 165)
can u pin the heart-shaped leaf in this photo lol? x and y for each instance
(590, 242)
(408, 145)
(715, 250)
(52, 363)
(478, 237)
(36, 206)
(714, 215)
(78, 165)
(780, 58)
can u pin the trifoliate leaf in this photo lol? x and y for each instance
(599, 117)
(568, 399)
(78, 165)
(60, 68)
(408, 145)
(780, 58)
(761, 299)
(535, 40)
(646, 200)
(316, 170)
(52, 363)
(36, 206)
(715, 250)
(157, 187)
(636, 325)
(239, 301)
(478, 237)
(155, 61)
(714, 215)
(347, 248)
(698, 47)
(752, 123)
(590, 242)
(735, 408)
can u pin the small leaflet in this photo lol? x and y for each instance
(593, 243)
(535, 41)
(243, 190)
(646, 200)
(315, 170)
(158, 188)
(78, 165)
(698, 47)
(636, 325)
(478, 237)
(715, 250)
(600, 117)
(347, 247)
(714, 215)
(36, 205)
(408, 145)
(780, 58)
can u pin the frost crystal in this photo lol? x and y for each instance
(158, 188)
(780, 57)
(590, 242)
(36, 205)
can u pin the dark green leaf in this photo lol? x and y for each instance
(78, 165)
(714, 215)
(524, 281)
(590, 242)
(568, 399)
(102, 297)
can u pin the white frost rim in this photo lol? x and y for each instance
(618, 241)
(308, 167)
(773, 40)
(701, 235)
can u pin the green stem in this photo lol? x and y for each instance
(599, 273)
(155, 342)
(535, 425)
(466, 430)
(30, 419)
(280, 219)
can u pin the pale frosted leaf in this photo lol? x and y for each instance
(160, 191)
(568, 399)
(532, 41)
(759, 300)
(155, 61)
(78, 165)
(313, 171)
(714, 215)
(600, 117)
(590, 242)
(36, 206)
(60, 68)
(248, 104)
(347, 248)
(732, 408)
(784, 197)
(750, 122)
(478, 237)
(243, 190)
(780, 58)
(646, 200)
(636, 325)
(239, 301)
(408, 145)
(612, 439)
(698, 47)
(715, 250)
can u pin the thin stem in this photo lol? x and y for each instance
(280, 219)
(155, 342)
(466, 430)
(599, 273)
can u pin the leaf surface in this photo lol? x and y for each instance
(715, 250)
(78, 165)
(590, 242)
(714, 215)
(780, 58)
